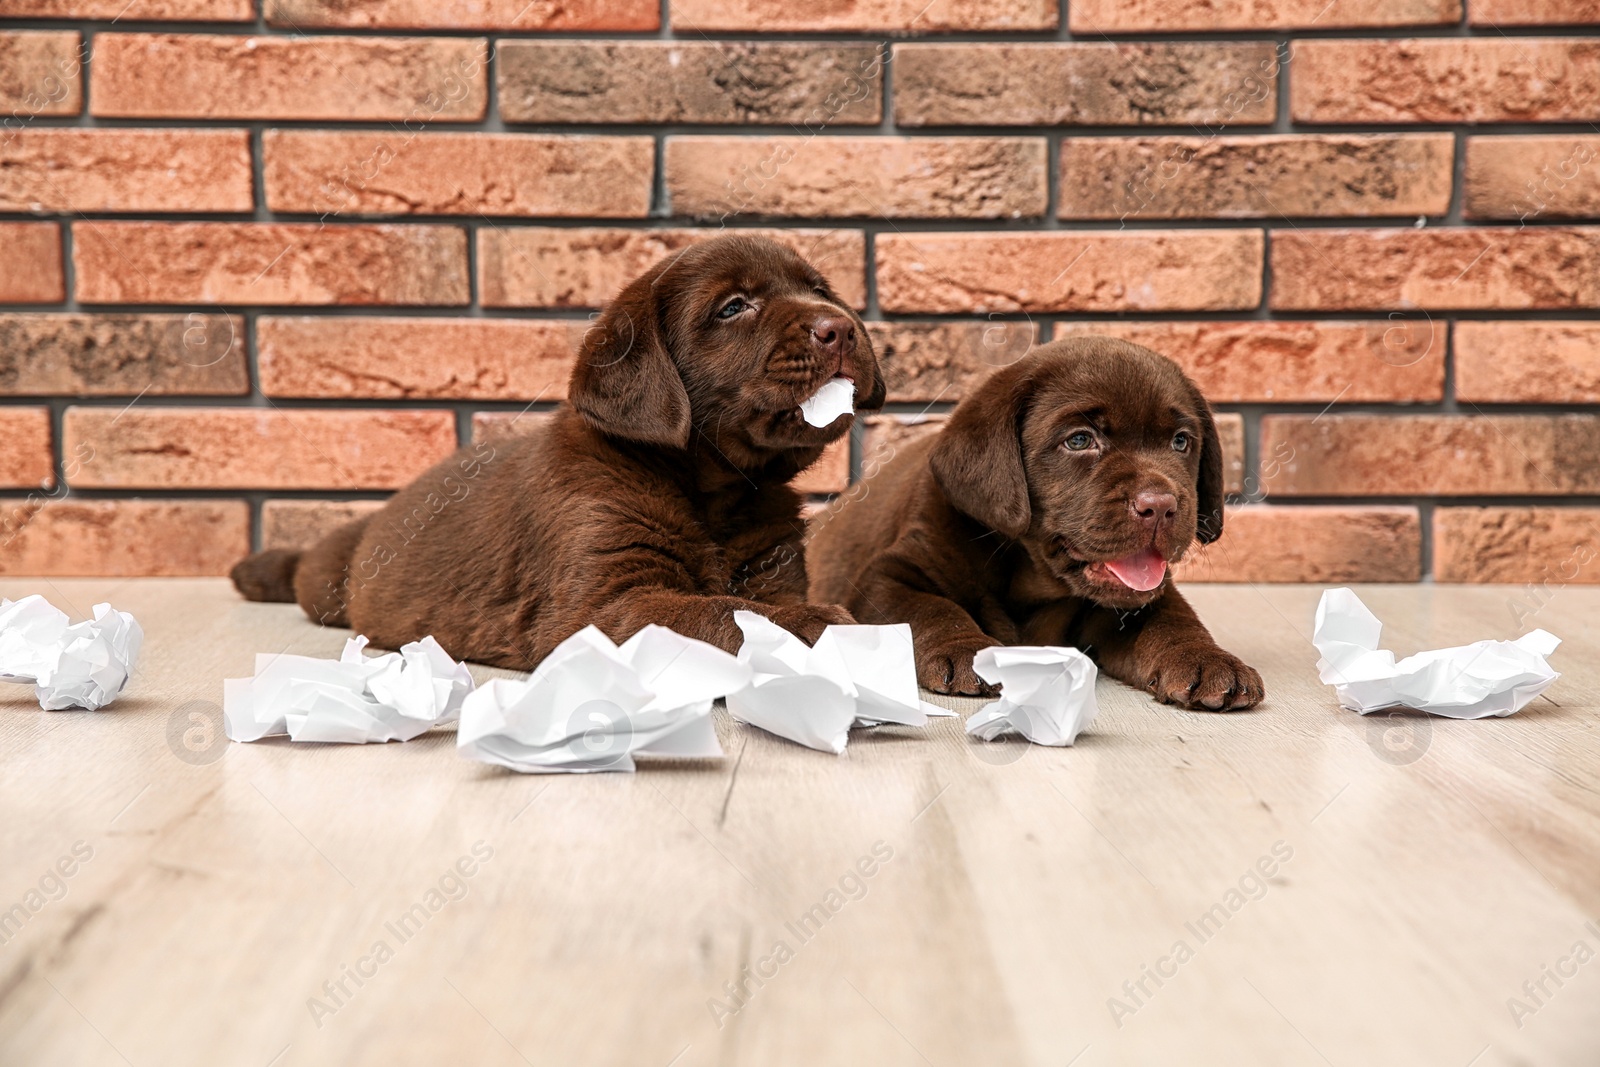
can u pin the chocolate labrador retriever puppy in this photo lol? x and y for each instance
(1047, 512)
(659, 494)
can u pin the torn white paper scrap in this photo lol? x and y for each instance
(1046, 694)
(351, 700)
(1476, 681)
(837, 397)
(881, 662)
(77, 665)
(592, 706)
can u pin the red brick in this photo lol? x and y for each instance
(123, 538)
(1131, 270)
(1211, 83)
(528, 266)
(497, 426)
(41, 73)
(302, 523)
(1331, 175)
(268, 263)
(1532, 177)
(1446, 79)
(134, 10)
(910, 16)
(25, 458)
(455, 359)
(67, 170)
(1533, 12)
(197, 353)
(934, 362)
(260, 448)
(400, 173)
(415, 79)
(1429, 455)
(30, 263)
(812, 84)
(1296, 362)
(1537, 267)
(1230, 434)
(854, 177)
(1549, 547)
(1528, 362)
(1306, 543)
(1181, 16)
(517, 16)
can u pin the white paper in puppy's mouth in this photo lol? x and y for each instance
(837, 397)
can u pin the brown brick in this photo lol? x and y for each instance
(302, 523)
(1537, 267)
(1305, 543)
(123, 538)
(1130, 270)
(1230, 434)
(110, 355)
(1429, 455)
(497, 426)
(65, 170)
(456, 359)
(1179, 16)
(940, 362)
(268, 263)
(261, 448)
(398, 173)
(854, 177)
(1296, 362)
(1212, 83)
(40, 74)
(528, 266)
(1524, 178)
(1548, 547)
(25, 457)
(1443, 79)
(1533, 12)
(415, 79)
(909, 16)
(134, 10)
(810, 84)
(1528, 362)
(517, 16)
(30, 263)
(1331, 175)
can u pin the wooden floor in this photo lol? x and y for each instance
(1025, 905)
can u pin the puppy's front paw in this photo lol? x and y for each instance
(807, 621)
(946, 666)
(1210, 679)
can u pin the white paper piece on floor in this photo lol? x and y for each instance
(354, 699)
(76, 665)
(594, 706)
(1046, 694)
(1476, 681)
(813, 695)
(836, 397)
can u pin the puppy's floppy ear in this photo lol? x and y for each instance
(977, 460)
(1208, 490)
(624, 382)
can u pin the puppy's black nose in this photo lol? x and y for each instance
(1153, 509)
(834, 334)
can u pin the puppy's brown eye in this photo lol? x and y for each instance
(1180, 441)
(1079, 441)
(732, 308)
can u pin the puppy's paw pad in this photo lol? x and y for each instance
(947, 668)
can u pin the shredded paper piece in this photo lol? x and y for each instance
(837, 397)
(1486, 678)
(1046, 694)
(813, 695)
(76, 665)
(351, 700)
(592, 706)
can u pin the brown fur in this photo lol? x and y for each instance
(659, 494)
(990, 532)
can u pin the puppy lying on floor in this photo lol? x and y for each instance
(658, 494)
(1046, 512)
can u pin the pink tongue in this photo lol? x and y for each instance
(1142, 570)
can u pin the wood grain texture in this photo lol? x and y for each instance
(229, 882)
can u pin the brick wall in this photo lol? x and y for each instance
(259, 267)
